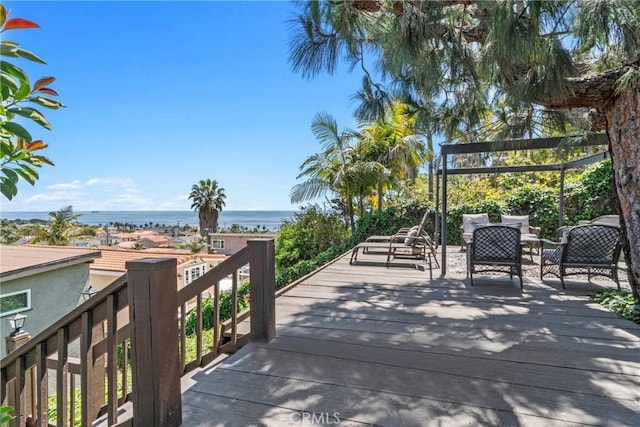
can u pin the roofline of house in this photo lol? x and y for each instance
(48, 266)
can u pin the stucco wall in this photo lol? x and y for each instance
(53, 294)
(234, 242)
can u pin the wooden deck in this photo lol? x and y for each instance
(369, 345)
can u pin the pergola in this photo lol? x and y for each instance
(447, 150)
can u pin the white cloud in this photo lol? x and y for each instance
(100, 193)
(74, 185)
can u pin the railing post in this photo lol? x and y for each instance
(23, 390)
(152, 292)
(262, 289)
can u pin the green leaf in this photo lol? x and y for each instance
(16, 72)
(5, 92)
(46, 102)
(8, 50)
(7, 188)
(17, 129)
(8, 80)
(11, 175)
(31, 113)
(40, 160)
(6, 149)
(23, 91)
(28, 174)
(30, 56)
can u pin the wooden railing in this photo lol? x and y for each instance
(101, 379)
(90, 331)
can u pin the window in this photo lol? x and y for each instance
(217, 244)
(15, 302)
(243, 273)
(192, 273)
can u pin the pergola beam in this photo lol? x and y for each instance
(529, 168)
(503, 169)
(525, 144)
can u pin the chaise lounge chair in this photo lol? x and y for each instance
(412, 243)
(402, 233)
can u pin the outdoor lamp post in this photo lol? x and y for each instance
(16, 322)
(18, 337)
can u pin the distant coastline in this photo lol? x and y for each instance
(270, 220)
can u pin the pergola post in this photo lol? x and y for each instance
(443, 225)
(436, 231)
(561, 201)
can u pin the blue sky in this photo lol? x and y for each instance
(162, 94)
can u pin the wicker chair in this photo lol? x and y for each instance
(496, 248)
(593, 249)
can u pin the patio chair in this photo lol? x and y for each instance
(591, 249)
(495, 248)
(612, 220)
(528, 234)
(469, 223)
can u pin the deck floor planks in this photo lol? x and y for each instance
(385, 348)
(552, 377)
(522, 353)
(500, 320)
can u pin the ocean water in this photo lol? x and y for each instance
(271, 220)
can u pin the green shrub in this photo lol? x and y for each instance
(454, 216)
(309, 233)
(592, 194)
(390, 220)
(208, 309)
(5, 414)
(540, 203)
(290, 274)
(620, 302)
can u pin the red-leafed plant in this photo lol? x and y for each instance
(18, 158)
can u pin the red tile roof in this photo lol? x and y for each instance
(115, 260)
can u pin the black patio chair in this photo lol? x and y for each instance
(496, 248)
(591, 249)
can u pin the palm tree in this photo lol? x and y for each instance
(392, 149)
(330, 169)
(62, 227)
(208, 200)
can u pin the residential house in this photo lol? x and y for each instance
(145, 239)
(113, 262)
(230, 243)
(42, 282)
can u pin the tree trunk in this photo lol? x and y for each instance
(206, 222)
(431, 166)
(214, 221)
(623, 129)
(379, 195)
(350, 211)
(430, 180)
